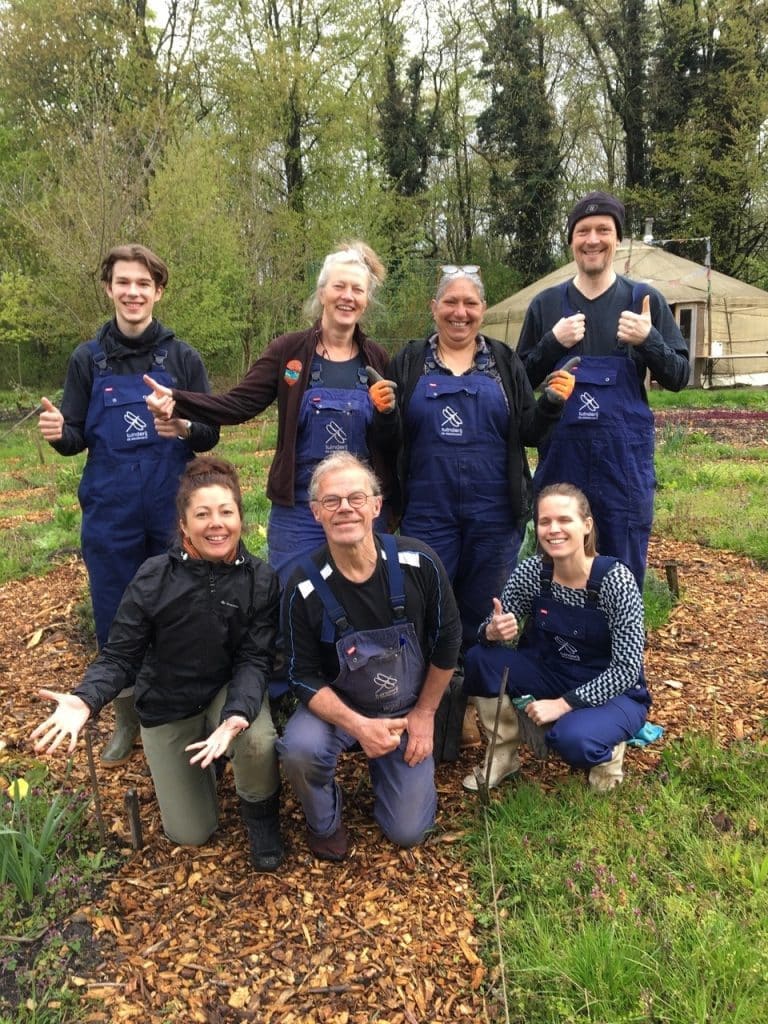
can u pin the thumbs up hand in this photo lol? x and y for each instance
(382, 391)
(634, 328)
(570, 330)
(50, 421)
(501, 626)
(559, 385)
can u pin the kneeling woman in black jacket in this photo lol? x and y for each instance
(195, 633)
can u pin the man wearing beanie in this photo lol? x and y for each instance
(604, 441)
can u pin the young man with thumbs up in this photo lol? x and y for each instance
(604, 442)
(128, 488)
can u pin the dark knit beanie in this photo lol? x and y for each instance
(593, 204)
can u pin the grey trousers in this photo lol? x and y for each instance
(186, 792)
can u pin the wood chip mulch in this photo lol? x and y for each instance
(388, 936)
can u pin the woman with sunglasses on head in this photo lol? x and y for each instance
(466, 411)
(324, 399)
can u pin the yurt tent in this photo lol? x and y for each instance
(724, 321)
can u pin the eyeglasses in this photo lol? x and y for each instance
(451, 270)
(332, 502)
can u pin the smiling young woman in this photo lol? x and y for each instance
(579, 660)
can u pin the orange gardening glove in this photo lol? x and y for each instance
(382, 391)
(558, 386)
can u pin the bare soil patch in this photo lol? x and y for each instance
(742, 428)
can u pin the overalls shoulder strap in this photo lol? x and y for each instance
(639, 291)
(395, 577)
(482, 362)
(335, 620)
(545, 579)
(101, 364)
(98, 357)
(315, 372)
(430, 363)
(601, 565)
(567, 309)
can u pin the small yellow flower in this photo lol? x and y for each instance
(18, 789)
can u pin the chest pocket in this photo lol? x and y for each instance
(452, 408)
(335, 420)
(381, 671)
(596, 377)
(597, 392)
(130, 424)
(549, 620)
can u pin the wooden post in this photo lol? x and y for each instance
(670, 568)
(131, 801)
(94, 782)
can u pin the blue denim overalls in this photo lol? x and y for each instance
(604, 444)
(457, 490)
(128, 488)
(561, 648)
(330, 420)
(381, 673)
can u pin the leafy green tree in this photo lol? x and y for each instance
(709, 97)
(518, 138)
(618, 34)
(94, 93)
(193, 226)
(30, 353)
(407, 129)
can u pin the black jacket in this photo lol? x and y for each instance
(530, 421)
(184, 629)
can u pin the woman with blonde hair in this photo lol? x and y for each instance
(325, 401)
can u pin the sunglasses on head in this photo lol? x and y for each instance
(452, 270)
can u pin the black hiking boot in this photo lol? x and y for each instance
(262, 819)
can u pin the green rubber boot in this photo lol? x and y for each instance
(119, 747)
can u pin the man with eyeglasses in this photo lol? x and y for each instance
(372, 635)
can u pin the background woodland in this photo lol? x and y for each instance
(242, 139)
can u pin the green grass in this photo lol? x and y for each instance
(648, 905)
(658, 601)
(714, 494)
(38, 493)
(712, 398)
